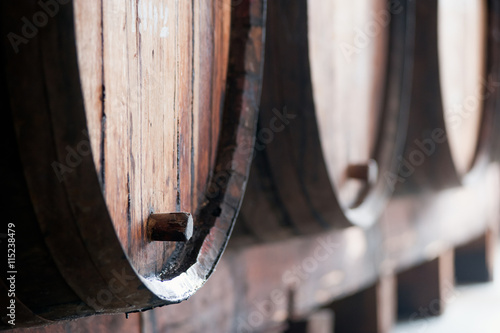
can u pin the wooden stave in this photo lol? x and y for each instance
(218, 210)
(264, 197)
(36, 205)
(38, 268)
(152, 155)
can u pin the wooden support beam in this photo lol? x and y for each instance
(372, 310)
(424, 290)
(474, 261)
(318, 322)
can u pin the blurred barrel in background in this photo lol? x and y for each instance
(333, 116)
(450, 132)
(121, 111)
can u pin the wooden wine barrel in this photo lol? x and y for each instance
(450, 134)
(333, 116)
(131, 132)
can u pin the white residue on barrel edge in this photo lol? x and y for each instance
(152, 18)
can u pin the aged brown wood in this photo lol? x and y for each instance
(170, 227)
(369, 310)
(310, 131)
(199, 314)
(104, 323)
(160, 123)
(250, 285)
(366, 172)
(134, 109)
(41, 288)
(426, 289)
(453, 101)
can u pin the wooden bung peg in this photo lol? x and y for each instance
(170, 227)
(366, 172)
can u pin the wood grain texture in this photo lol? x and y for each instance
(250, 286)
(291, 190)
(164, 74)
(101, 150)
(38, 152)
(434, 158)
(41, 286)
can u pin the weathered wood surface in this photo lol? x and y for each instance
(450, 133)
(167, 101)
(371, 310)
(170, 227)
(298, 182)
(155, 111)
(251, 286)
(294, 189)
(426, 289)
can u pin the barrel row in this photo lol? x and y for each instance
(381, 99)
(136, 128)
